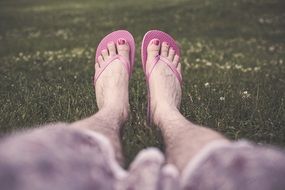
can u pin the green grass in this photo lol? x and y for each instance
(233, 61)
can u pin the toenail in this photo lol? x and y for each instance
(121, 41)
(110, 43)
(155, 42)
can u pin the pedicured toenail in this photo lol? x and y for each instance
(121, 41)
(155, 42)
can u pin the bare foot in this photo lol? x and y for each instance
(112, 85)
(164, 87)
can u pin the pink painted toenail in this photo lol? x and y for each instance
(155, 42)
(121, 41)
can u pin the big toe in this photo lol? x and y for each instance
(123, 48)
(153, 49)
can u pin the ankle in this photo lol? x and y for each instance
(118, 114)
(169, 120)
(164, 113)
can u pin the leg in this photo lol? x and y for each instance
(112, 98)
(107, 122)
(71, 156)
(183, 139)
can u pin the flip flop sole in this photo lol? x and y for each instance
(162, 37)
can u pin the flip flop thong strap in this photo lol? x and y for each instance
(106, 64)
(168, 63)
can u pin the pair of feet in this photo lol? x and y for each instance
(164, 88)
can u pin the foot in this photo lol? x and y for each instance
(164, 87)
(112, 85)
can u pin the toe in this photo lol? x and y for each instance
(123, 47)
(112, 48)
(105, 54)
(176, 60)
(153, 48)
(179, 68)
(171, 54)
(100, 60)
(97, 66)
(164, 49)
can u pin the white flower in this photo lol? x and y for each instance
(271, 48)
(206, 84)
(245, 94)
(222, 98)
(208, 63)
(238, 66)
(186, 61)
(261, 20)
(256, 68)
(50, 58)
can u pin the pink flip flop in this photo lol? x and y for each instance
(162, 37)
(115, 36)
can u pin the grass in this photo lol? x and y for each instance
(233, 61)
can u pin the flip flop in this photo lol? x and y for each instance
(115, 36)
(162, 37)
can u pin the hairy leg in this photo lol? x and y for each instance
(107, 122)
(112, 98)
(183, 139)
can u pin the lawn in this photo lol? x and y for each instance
(233, 63)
